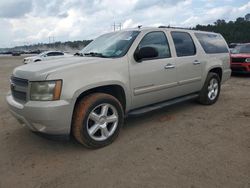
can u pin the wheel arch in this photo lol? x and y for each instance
(115, 90)
(218, 70)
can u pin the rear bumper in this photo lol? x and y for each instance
(240, 67)
(47, 118)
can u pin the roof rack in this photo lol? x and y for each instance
(175, 27)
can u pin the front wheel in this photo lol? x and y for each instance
(97, 120)
(211, 89)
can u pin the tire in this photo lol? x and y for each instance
(92, 125)
(210, 92)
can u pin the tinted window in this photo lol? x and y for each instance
(55, 54)
(211, 43)
(58, 53)
(50, 54)
(158, 41)
(184, 44)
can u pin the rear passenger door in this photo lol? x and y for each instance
(188, 63)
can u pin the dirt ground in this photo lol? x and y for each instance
(186, 145)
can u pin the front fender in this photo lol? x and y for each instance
(101, 84)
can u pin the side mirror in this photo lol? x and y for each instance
(145, 53)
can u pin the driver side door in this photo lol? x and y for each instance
(153, 80)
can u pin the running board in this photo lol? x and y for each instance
(157, 106)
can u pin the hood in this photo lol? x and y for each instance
(40, 70)
(240, 55)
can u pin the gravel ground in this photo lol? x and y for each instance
(186, 145)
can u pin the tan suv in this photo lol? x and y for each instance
(129, 72)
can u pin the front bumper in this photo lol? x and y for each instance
(240, 67)
(48, 117)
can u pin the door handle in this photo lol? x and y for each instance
(196, 62)
(169, 66)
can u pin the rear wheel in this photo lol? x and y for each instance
(97, 120)
(211, 89)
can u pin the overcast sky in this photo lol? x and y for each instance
(32, 21)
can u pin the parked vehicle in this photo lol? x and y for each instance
(240, 58)
(129, 72)
(16, 53)
(47, 55)
(232, 46)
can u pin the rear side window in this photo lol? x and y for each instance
(157, 40)
(184, 44)
(211, 43)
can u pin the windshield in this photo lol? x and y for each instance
(114, 44)
(241, 49)
(42, 54)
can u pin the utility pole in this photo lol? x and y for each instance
(117, 26)
(54, 42)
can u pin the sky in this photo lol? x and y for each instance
(25, 22)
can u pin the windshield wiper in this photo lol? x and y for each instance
(95, 54)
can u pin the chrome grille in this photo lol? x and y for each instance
(19, 88)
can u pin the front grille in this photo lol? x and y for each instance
(238, 60)
(19, 88)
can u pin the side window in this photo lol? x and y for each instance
(55, 54)
(157, 40)
(50, 54)
(184, 44)
(212, 43)
(58, 53)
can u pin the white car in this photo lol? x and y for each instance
(48, 55)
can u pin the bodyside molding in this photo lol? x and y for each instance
(153, 88)
(188, 81)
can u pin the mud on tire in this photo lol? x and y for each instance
(88, 123)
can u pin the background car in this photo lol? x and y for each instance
(232, 46)
(16, 53)
(240, 58)
(48, 55)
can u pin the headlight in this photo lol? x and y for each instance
(45, 90)
(248, 60)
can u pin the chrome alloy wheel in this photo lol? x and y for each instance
(213, 89)
(102, 122)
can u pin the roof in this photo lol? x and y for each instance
(160, 28)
